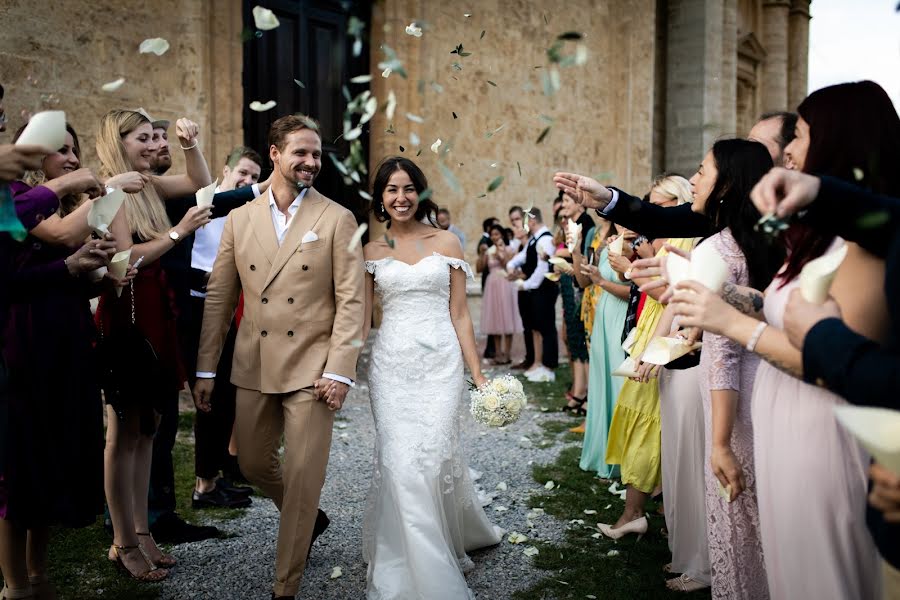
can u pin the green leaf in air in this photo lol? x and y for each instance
(544, 134)
(493, 185)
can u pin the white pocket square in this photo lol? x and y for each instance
(309, 236)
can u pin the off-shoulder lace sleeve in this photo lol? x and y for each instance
(458, 263)
(370, 266)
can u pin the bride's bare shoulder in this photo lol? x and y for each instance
(444, 242)
(376, 249)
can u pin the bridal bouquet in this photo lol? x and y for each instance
(498, 402)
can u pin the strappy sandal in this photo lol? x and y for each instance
(578, 408)
(153, 575)
(8, 593)
(683, 583)
(166, 561)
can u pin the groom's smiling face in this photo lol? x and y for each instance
(301, 159)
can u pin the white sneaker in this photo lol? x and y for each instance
(541, 375)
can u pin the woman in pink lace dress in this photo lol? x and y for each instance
(721, 190)
(500, 300)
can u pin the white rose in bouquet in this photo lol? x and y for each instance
(491, 402)
(500, 385)
(498, 402)
(515, 386)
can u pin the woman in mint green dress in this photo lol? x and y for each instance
(606, 354)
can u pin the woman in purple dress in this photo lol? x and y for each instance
(721, 189)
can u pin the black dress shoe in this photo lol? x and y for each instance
(322, 523)
(219, 498)
(169, 528)
(231, 488)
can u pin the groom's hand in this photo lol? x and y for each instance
(203, 389)
(332, 392)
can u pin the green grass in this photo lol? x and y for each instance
(581, 565)
(78, 565)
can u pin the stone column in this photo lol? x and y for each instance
(798, 53)
(775, 68)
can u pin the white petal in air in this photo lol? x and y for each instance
(113, 85)
(353, 134)
(361, 79)
(260, 107)
(415, 118)
(369, 110)
(157, 46)
(264, 19)
(531, 551)
(436, 145)
(413, 30)
(386, 73)
(357, 236)
(391, 106)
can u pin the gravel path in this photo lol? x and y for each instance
(242, 566)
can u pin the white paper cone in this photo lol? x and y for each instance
(817, 275)
(629, 340)
(46, 129)
(615, 248)
(104, 210)
(877, 429)
(118, 266)
(708, 268)
(663, 350)
(626, 369)
(678, 269)
(205, 195)
(574, 230)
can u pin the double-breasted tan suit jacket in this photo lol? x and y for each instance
(303, 302)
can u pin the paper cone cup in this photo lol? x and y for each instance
(708, 267)
(818, 274)
(617, 245)
(104, 210)
(663, 350)
(877, 429)
(574, 231)
(118, 266)
(678, 269)
(629, 340)
(46, 129)
(205, 195)
(626, 369)
(554, 277)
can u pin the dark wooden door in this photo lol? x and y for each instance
(312, 46)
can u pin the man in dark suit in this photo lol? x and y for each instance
(834, 356)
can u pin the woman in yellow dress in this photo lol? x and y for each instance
(634, 434)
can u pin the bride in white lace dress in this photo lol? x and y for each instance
(423, 513)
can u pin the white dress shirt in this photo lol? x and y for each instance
(612, 203)
(282, 222)
(545, 246)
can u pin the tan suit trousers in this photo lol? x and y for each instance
(295, 486)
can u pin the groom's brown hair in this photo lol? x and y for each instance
(289, 124)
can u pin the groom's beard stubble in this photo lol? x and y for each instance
(299, 184)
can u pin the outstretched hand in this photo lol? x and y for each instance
(784, 192)
(584, 190)
(332, 392)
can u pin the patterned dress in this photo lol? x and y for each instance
(735, 547)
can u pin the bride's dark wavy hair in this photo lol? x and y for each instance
(425, 209)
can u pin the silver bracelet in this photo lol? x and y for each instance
(190, 147)
(757, 333)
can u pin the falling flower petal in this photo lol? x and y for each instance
(436, 145)
(531, 551)
(491, 82)
(588, 511)
(414, 139)
(413, 30)
(391, 106)
(386, 73)
(493, 185)
(467, 15)
(353, 134)
(369, 110)
(607, 507)
(502, 486)
(612, 553)
(516, 538)
(361, 79)
(858, 174)
(357, 236)
(549, 485)
(336, 572)
(365, 195)
(300, 83)
(543, 135)
(415, 118)
(264, 19)
(157, 46)
(454, 116)
(113, 85)
(260, 107)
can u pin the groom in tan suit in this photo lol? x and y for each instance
(297, 345)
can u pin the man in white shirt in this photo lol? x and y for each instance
(529, 267)
(444, 222)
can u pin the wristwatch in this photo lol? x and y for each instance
(174, 236)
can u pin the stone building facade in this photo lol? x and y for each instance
(659, 82)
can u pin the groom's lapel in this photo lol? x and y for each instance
(311, 208)
(263, 228)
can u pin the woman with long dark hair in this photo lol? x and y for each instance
(423, 514)
(819, 548)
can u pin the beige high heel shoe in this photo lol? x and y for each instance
(8, 593)
(151, 575)
(638, 526)
(43, 589)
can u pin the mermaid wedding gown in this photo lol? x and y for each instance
(422, 514)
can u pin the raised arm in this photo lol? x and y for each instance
(197, 175)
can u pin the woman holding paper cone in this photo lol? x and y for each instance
(500, 305)
(143, 314)
(840, 128)
(52, 473)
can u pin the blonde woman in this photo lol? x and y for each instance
(137, 330)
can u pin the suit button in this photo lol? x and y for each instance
(252, 267)
(265, 300)
(264, 333)
(290, 300)
(306, 267)
(290, 334)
